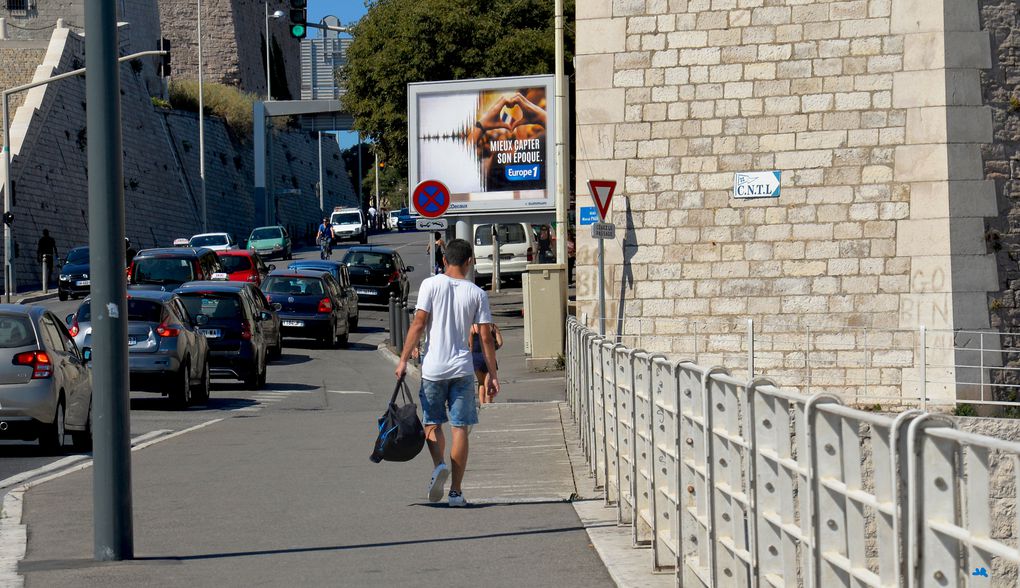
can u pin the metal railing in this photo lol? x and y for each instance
(737, 482)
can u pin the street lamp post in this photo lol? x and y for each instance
(269, 84)
(201, 125)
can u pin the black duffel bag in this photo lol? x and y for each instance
(401, 434)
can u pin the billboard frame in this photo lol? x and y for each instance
(418, 89)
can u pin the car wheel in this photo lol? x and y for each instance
(51, 435)
(62, 296)
(181, 397)
(344, 340)
(363, 239)
(82, 440)
(260, 381)
(202, 392)
(276, 351)
(257, 378)
(354, 322)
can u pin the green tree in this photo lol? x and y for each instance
(403, 41)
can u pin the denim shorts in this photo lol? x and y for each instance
(459, 394)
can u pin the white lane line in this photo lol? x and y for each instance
(349, 392)
(14, 534)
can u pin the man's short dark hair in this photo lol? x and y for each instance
(458, 252)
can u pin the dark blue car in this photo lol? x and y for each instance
(405, 222)
(342, 276)
(311, 305)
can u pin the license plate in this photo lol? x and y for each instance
(506, 255)
(83, 283)
(364, 291)
(293, 323)
(211, 333)
(132, 341)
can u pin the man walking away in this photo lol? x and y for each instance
(448, 305)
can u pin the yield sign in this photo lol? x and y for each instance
(602, 192)
(431, 198)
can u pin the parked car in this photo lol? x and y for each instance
(166, 269)
(45, 384)
(342, 275)
(166, 352)
(242, 265)
(74, 275)
(405, 222)
(214, 241)
(517, 248)
(270, 242)
(182, 242)
(311, 305)
(271, 325)
(391, 219)
(377, 272)
(235, 329)
(349, 225)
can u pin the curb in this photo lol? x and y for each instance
(30, 298)
(394, 359)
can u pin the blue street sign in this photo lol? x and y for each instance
(589, 215)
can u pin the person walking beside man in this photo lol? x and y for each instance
(448, 306)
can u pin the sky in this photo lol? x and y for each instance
(348, 11)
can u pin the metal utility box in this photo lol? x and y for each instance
(545, 296)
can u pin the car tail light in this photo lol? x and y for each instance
(130, 268)
(74, 327)
(245, 330)
(165, 331)
(531, 254)
(325, 305)
(40, 362)
(253, 277)
(394, 277)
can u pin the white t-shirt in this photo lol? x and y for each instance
(453, 306)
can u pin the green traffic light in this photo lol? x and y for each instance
(298, 31)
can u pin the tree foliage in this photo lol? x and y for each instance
(402, 41)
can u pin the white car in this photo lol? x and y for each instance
(517, 248)
(391, 219)
(349, 225)
(214, 241)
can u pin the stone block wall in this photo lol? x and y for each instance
(18, 60)
(49, 140)
(872, 111)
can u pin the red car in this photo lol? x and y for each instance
(244, 266)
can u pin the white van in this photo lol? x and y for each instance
(349, 225)
(517, 248)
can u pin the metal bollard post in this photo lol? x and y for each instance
(398, 328)
(45, 274)
(393, 320)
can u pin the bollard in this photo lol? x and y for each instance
(393, 320)
(398, 328)
(45, 274)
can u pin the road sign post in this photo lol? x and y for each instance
(602, 193)
(431, 199)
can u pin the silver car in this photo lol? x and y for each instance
(166, 353)
(45, 384)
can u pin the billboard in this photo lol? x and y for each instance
(491, 141)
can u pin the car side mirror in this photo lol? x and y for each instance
(277, 306)
(201, 320)
(86, 354)
(69, 319)
(409, 268)
(272, 267)
(265, 316)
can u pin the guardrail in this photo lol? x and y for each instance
(734, 482)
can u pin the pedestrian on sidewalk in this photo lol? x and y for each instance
(478, 359)
(438, 246)
(47, 250)
(448, 306)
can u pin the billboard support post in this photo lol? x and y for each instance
(495, 258)
(562, 175)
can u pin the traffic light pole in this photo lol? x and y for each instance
(113, 533)
(9, 282)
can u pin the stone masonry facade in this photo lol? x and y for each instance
(873, 112)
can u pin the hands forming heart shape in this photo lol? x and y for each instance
(530, 114)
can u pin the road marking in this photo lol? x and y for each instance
(350, 392)
(14, 534)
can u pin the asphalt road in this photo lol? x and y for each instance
(295, 371)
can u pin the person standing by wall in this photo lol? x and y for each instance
(448, 306)
(47, 250)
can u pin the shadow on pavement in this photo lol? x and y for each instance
(291, 359)
(166, 404)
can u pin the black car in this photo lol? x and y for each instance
(274, 334)
(377, 272)
(235, 329)
(311, 305)
(342, 276)
(74, 275)
(405, 222)
(167, 268)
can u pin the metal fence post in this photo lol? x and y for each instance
(750, 348)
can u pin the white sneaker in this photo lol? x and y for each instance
(438, 483)
(456, 499)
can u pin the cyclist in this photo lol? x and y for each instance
(325, 239)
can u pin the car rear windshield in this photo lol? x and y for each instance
(369, 259)
(295, 286)
(270, 233)
(162, 270)
(508, 234)
(235, 263)
(212, 305)
(78, 256)
(148, 311)
(207, 240)
(16, 331)
(345, 218)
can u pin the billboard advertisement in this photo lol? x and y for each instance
(490, 141)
